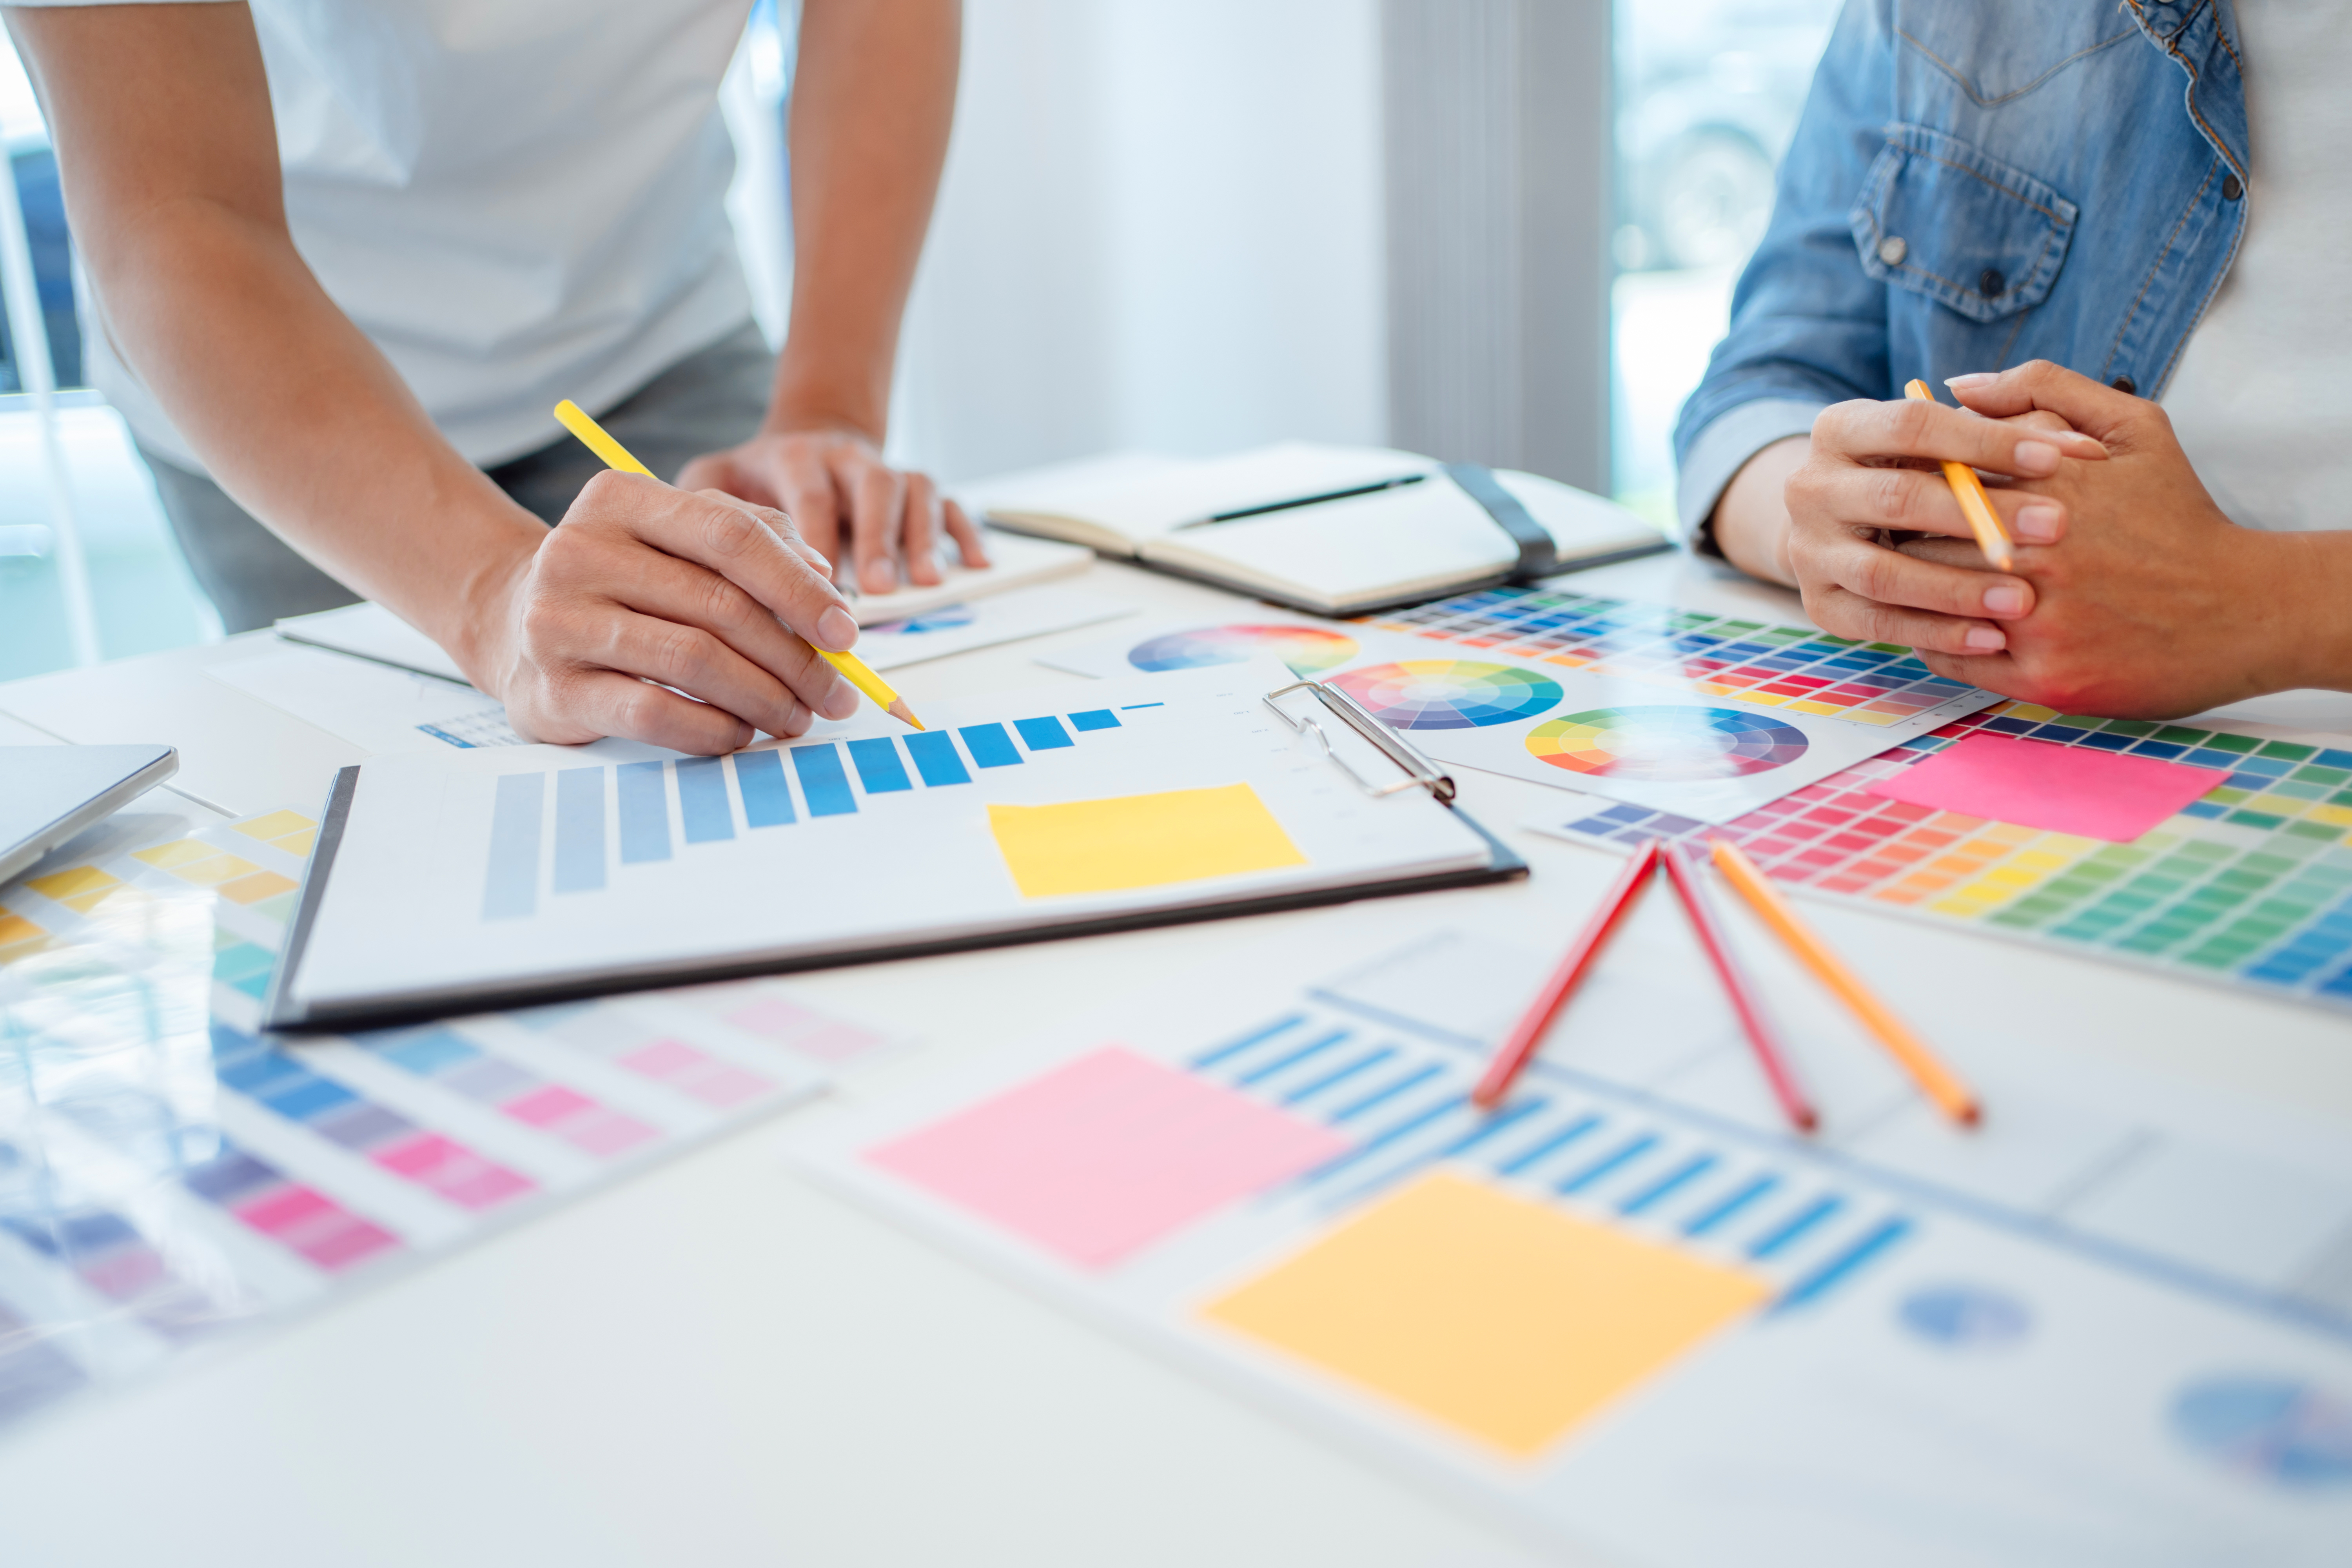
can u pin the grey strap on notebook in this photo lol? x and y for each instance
(1537, 554)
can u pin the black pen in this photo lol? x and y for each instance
(1374, 488)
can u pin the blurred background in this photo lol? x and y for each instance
(1494, 231)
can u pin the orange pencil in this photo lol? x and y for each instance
(1682, 870)
(1951, 1096)
(1520, 1045)
(1970, 491)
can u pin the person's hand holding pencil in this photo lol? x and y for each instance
(1875, 474)
(689, 620)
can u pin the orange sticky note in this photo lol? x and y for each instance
(1503, 1318)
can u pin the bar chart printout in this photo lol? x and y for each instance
(503, 877)
(1603, 1297)
(659, 810)
(196, 1177)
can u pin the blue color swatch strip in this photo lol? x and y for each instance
(702, 800)
(511, 889)
(645, 813)
(990, 746)
(579, 830)
(1042, 734)
(934, 752)
(760, 779)
(822, 783)
(878, 767)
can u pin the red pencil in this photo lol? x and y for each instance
(1683, 872)
(1520, 1043)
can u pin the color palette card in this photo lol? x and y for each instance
(169, 1172)
(1626, 1311)
(2212, 852)
(1704, 716)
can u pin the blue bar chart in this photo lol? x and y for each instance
(643, 813)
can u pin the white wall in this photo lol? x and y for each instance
(1161, 227)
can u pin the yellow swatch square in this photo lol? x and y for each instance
(67, 884)
(298, 845)
(178, 852)
(1500, 1317)
(14, 929)
(253, 888)
(1139, 840)
(216, 868)
(277, 824)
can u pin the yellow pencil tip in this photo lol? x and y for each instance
(898, 710)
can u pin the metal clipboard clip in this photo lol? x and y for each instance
(1419, 770)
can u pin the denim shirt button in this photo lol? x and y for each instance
(2231, 189)
(2125, 384)
(1989, 282)
(1892, 251)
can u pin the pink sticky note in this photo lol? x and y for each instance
(2066, 789)
(1105, 1154)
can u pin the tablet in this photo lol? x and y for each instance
(49, 794)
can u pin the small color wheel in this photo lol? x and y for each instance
(1665, 745)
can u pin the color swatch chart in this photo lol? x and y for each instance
(167, 1172)
(657, 809)
(2250, 886)
(1695, 714)
(1751, 662)
(1605, 1294)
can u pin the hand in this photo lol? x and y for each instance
(818, 476)
(1873, 472)
(644, 587)
(2149, 602)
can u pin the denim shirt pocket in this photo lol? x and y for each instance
(1939, 217)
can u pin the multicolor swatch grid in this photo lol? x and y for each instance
(2251, 885)
(1755, 662)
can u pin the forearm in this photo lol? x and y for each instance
(1752, 520)
(301, 419)
(2303, 608)
(168, 153)
(872, 99)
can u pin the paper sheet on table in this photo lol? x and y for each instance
(2064, 789)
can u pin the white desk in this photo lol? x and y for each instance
(716, 1363)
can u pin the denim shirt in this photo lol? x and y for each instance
(1975, 184)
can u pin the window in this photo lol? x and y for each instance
(1709, 92)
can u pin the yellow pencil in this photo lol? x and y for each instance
(1954, 1099)
(1967, 489)
(575, 419)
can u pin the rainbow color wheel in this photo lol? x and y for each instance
(1448, 693)
(1665, 745)
(1305, 649)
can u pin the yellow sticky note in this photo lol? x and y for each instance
(1498, 1316)
(1139, 840)
(277, 824)
(66, 884)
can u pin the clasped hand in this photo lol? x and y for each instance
(2133, 596)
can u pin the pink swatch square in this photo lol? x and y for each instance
(1105, 1154)
(2064, 789)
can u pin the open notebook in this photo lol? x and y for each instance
(1378, 527)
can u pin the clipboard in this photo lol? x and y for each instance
(292, 1007)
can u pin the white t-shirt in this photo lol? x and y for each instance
(2263, 400)
(520, 201)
